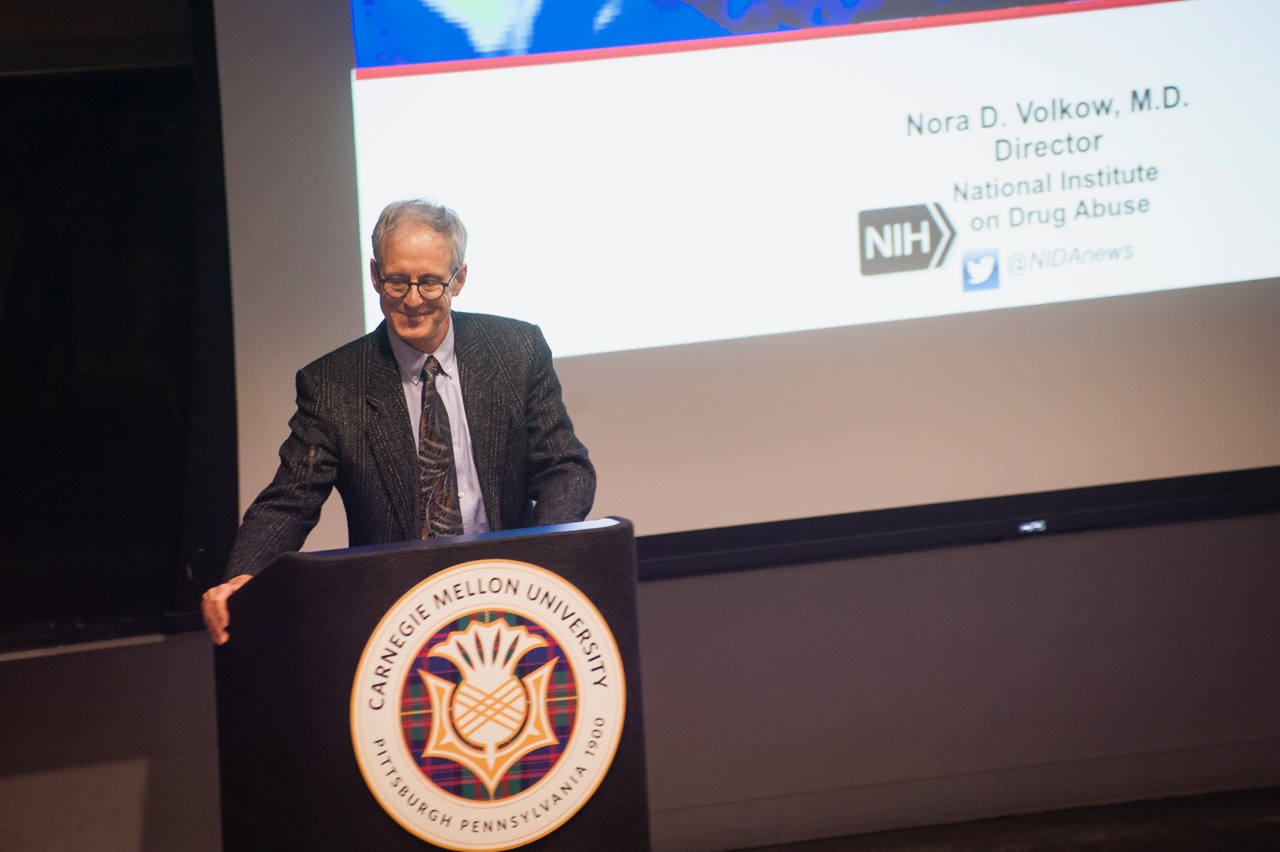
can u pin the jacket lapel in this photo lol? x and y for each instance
(484, 415)
(390, 439)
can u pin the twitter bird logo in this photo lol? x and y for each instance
(981, 270)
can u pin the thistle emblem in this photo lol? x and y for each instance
(492, 718)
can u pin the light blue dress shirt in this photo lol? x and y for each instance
(449, 386)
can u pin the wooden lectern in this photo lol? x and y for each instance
(290, 777)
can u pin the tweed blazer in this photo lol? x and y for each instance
(352, 431)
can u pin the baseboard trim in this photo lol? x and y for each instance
(838, 812)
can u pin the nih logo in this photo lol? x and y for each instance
(903, 239)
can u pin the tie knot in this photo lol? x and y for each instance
(431, 368)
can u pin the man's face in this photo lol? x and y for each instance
(416, 253)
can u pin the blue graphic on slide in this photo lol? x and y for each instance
(396, 32)
(981, 270)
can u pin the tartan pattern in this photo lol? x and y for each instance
(437, 476)
(416, 712)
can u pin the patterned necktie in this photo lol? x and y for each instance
(437, 477)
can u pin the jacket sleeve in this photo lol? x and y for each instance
(287, 510)
(561, 478)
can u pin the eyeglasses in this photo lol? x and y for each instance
(429, 290)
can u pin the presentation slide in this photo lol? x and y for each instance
(645, 181)
(795, 259)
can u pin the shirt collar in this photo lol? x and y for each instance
(411, 360)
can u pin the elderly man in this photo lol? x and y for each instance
(437, 423)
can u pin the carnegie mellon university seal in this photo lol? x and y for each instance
(488, 705)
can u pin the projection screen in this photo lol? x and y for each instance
(805, 259)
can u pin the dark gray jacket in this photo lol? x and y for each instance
(352, 431)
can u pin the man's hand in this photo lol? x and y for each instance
(214, 607)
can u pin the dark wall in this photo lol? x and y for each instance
(115, 341)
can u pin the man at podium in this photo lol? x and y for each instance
(437, 423)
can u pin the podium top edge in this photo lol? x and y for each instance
(597, 524)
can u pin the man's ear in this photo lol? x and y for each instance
(373, 274)
(460, 279)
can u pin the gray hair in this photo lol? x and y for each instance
(419, 211)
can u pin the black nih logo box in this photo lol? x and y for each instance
(902, 239)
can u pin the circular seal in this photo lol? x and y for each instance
(487, 705)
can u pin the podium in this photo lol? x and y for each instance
(315, 641)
